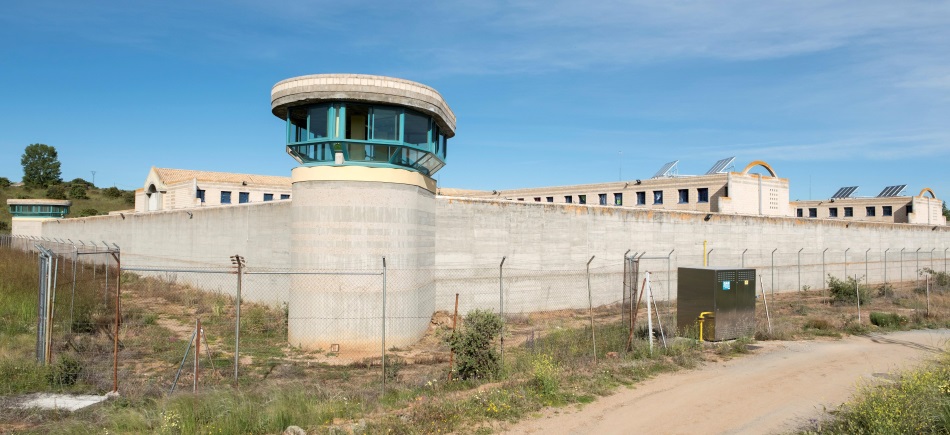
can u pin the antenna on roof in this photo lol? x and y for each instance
(892, 191)
(720, 166)
(667, 170)
(845, 192)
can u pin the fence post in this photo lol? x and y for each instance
(824, 284)
(902, 266)
(917, 267)
(669, 279)
(118, 317)
(383, 340)
(846, 262)
(885, 271)
(858, 294)
(238, 261)
(773, 271)
(867, 276)
(590, 309)
(72, 296)
(501, 307)
(800, 269)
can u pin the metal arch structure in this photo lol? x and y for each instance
(762, 164)
(927, 190)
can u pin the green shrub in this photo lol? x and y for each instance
(128, 197)
(89, 212)
(78, 191)
(112, 192)
(65, 372)
(941, 279)
(844, 290)
(56, 191)
(473, 345)
(4, 182)
(394, 365)
(887, 320)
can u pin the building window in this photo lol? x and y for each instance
(618, 199)
(812, 212)
(870, 211)
(848, 211)
(910, 208)
(887, 210)
(602, 198)
(225, 197)
(833, 212)
(568, 199)
(658, 197)
(684, 196)
(641, 198)
(284, 196)
(582, 199)
(244, 197)
(800, 212)
(550, 199)
(268, 197)
(200, 194)
(537, 199)
(702, 194)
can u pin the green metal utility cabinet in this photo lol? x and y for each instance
(728, 293)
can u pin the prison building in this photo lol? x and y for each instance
(889, 206)
(717, 191)
(170, 189)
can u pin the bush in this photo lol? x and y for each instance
(129, 197)
(4, 226)
(56, 191)
(473, 345)
(941, 279)
(844, 290)
(4, 182)
(65, 372)
(81, 182)
(89, 212)
(887, 320)
(78, 191)
(112, 192)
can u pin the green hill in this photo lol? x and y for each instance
(99, 202)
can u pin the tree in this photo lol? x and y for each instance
(82, 182)
(5, 183)
(946, 211)
(40, 166)
(112, 192)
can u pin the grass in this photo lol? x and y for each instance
(548, 361)
(917, 402)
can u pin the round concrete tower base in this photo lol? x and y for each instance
(344, 221)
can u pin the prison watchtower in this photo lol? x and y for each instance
(368, 147)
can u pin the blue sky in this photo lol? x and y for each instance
(546, 93)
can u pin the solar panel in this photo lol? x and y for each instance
(845, 192)
(667, 170)
(720, 165)
(892, 190)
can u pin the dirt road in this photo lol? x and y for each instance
(776, 389)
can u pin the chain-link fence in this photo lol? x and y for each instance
(220, 324)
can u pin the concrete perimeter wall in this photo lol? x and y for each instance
(201, 238)
(548, 245)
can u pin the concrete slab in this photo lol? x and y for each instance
(60, 401)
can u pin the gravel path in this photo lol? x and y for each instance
(777, 388)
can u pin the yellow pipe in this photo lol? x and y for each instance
(701, 319)
(705, 263)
